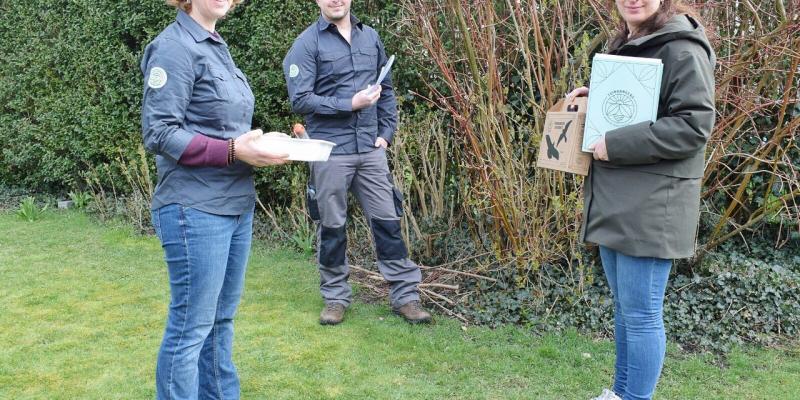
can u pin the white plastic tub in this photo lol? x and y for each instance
(297, 149)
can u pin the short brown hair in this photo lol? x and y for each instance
(186, 5)
(667, 10)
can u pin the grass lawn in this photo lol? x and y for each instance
(83, 308)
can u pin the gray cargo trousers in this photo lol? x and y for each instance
(367, 176)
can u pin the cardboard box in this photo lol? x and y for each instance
(560, 148)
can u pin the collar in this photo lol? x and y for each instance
(680, 23)
(324, 24)
(198, 33)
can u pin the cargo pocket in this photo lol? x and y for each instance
(311, 203)
(397, 195)
(398, 201)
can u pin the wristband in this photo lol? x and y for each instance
(231, 151)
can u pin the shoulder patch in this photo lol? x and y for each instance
(158, 78)
(294, 70)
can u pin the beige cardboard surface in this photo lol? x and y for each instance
(560, 148)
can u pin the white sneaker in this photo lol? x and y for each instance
(607, 395)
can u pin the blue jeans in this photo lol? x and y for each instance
(206, 255)
(638, 285)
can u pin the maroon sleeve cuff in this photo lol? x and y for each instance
(204, 151)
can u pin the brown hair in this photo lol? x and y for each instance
(667, 10)
(186, 5)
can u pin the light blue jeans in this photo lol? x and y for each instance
(638, 285)
(206, 256)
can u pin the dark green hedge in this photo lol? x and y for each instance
(70, 85)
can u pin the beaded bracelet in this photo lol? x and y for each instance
(231, 151)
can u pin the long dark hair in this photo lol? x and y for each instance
(667, 10)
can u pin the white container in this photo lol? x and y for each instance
(297, 149)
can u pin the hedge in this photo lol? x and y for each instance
(70, 83)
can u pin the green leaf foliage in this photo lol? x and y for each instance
(734, 299)
(71, 85)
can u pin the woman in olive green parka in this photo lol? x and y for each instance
(644, 200)
(642, 196)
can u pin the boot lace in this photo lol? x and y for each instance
(331, 307)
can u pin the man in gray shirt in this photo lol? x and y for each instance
(328, 73)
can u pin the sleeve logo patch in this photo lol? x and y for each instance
(294, 70)
(158, 78)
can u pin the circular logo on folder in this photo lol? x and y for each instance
(619, 107)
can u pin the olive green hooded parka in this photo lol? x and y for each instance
(645, 201)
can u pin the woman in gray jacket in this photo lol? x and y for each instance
(642, 196)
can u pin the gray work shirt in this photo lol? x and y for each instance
(193, 87)
(323, 72)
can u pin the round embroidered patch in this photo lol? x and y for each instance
(294, 71)
(158, 78)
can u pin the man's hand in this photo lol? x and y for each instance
(599, 148)
(381, 142)
(366, 98)
(300, 131)
(254, 154)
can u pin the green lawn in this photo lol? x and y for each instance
(83, 309)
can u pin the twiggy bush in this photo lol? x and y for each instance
(752, 176)
(501, 65)
(129, 200)
(423, 171)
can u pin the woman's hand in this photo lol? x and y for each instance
(248, 151)
(599, 149)
(578, 92)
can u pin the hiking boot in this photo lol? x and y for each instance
(607, 395)
(332, 314)
(413, 313)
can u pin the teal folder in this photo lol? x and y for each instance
(623, 91)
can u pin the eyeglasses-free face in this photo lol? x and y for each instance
(210, 10)
(635, 12)
(334, 10)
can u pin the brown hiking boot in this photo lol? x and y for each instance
(413, 313)
(332, 314)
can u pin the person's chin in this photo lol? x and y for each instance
(220, 14)
(634, 20)
(337, 15)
